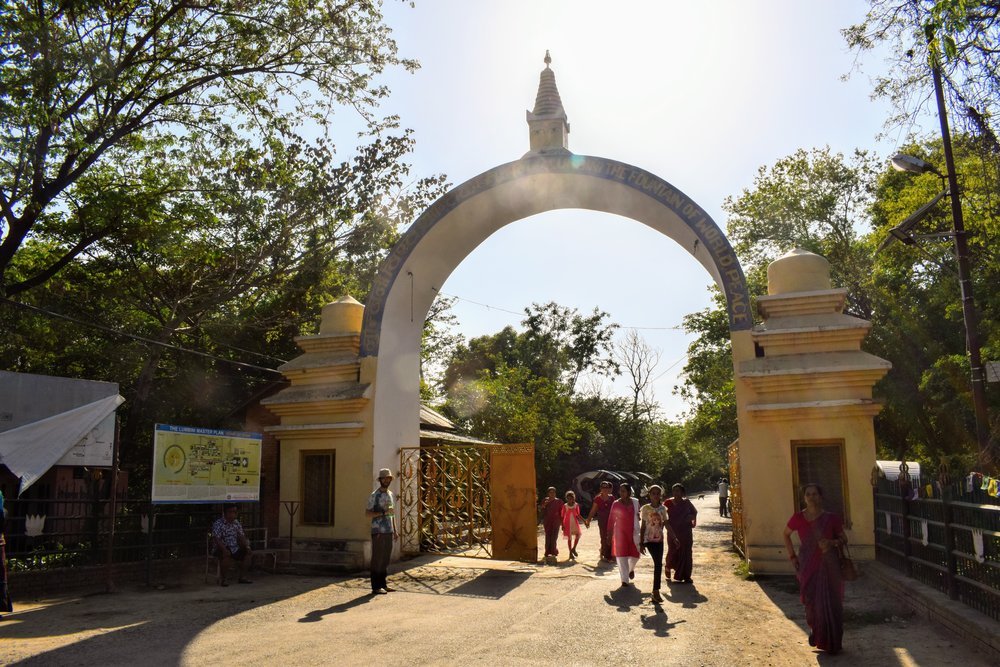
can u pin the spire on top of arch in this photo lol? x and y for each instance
(548, 125)
(548, 102)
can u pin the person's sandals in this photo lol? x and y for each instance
(657, 597)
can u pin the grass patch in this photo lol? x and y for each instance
(742, 570)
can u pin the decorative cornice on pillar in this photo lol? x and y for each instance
(325, 368)
(802, 303)
(349, 343)
(325, 379)
(312, 431)
(815, 410)
(850, 377)
(810, 364)
(821, 333)
(305, 400)
(548, 126)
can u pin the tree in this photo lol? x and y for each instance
(512, 405)
(438, 343)
(962, 36)
(918, 323)
(233, 257)
(816, 200)
(639, 362)
(94, 96)
(708, 381)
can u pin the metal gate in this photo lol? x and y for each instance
(736, 498)
(469, 500)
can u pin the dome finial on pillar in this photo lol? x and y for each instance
(548, 58)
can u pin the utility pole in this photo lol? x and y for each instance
(969, 313)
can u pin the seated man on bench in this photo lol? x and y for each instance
(231, 544)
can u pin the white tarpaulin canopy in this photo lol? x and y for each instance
(30, 450)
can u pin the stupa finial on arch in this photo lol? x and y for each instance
(548, 126)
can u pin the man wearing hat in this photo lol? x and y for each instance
(380, 510)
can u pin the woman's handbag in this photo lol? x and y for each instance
(848, 570)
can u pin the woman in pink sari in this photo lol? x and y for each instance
(817, 567)
(623, 525)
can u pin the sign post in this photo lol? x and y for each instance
(201, 465)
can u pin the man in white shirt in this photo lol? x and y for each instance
(723, 497)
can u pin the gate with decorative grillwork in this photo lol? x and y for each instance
(469, 500)
(736, 498)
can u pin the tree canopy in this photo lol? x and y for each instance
(96, 97)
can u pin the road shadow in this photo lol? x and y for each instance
(460, 581)
(624, 598)
(686, 595)
(721, 526)
(140, 616)
(318, 614)
(658, 622)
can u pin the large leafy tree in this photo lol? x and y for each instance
(919, 323)
(961, 36)
(95, 96)
(155, 180)
(519, 386)
(816, 200)
(708, 382)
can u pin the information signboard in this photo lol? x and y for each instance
(201, 465)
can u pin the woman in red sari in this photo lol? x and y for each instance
(817, 567)
(623, 525)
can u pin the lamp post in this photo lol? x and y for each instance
(969, 314)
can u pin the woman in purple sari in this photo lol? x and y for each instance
(682, 518)
(817, 567)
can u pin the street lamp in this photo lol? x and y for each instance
(901, 232)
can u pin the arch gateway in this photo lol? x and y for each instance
(803, 386)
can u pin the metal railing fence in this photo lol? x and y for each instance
(949, 539)
(44, 534)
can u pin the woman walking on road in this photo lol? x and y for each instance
(682, 518)
(602, 508)
(571, 520)
(654, 518)
(817, 567)
(623, 525)
(551, 509)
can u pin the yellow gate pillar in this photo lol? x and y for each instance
(325, 443)
(805, 409)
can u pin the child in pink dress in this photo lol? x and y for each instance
(571, 520)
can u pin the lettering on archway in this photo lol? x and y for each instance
(549, 183)
(409, 279)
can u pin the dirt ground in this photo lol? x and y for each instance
(450, 610)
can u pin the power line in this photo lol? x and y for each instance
(668, 368)
(522, 313)
(143, 339)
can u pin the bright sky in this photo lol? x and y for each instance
(701, 94)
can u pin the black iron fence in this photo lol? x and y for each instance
(948, 539)
(49, 534)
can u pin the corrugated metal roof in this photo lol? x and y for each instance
(429, 417)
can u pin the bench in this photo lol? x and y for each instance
(258, 547)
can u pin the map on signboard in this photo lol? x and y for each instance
(192, 465)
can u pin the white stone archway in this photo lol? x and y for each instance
(803, 385)
(420, 263)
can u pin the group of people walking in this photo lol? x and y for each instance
(628, 530)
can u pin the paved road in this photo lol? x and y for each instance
(459, 611)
